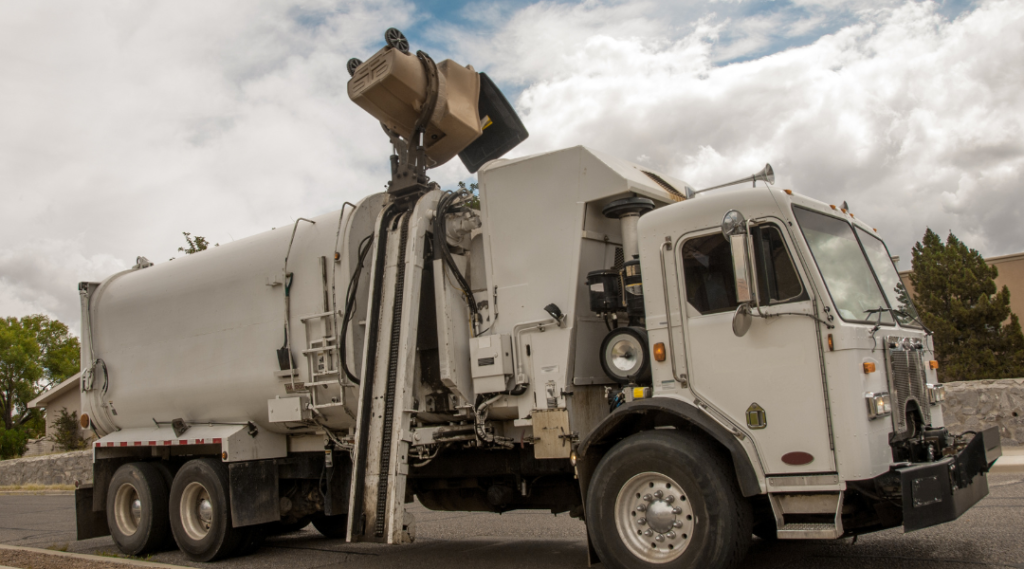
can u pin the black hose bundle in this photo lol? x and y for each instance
(350, 305)
(453, 202)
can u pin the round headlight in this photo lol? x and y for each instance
(624, 355)
(733, 223)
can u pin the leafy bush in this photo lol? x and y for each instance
(65, 431)
(13, 443)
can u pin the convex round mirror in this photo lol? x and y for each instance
(741, 320)
(733, 223)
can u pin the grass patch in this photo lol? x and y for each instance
(56, 547)
(36, 487)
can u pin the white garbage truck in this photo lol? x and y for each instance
(680, 369)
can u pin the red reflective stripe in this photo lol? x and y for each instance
(98, 445)
(152, 443)
(137, 443)
(110, 444)
(167, 443)
(200, 441)
(124, 443)
(183, 442)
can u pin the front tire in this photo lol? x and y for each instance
(663, 499)
(137, 509)
(201, 512)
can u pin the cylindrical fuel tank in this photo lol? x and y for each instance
(197, 337)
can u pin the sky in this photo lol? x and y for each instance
(123, 124)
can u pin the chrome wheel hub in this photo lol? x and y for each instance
(196, 511)
(127, 509)
(653, 517)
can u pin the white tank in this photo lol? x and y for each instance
(197, 337)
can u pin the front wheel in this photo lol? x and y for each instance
(663, 499)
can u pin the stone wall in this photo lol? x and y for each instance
(51, 469)
(977, 405)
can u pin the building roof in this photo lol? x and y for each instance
(54, 392)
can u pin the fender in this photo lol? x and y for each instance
(679, 412)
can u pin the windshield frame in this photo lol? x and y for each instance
(909, 319)
(886, 318)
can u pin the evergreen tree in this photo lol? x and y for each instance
(976, 335)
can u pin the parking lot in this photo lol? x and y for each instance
(989, 535)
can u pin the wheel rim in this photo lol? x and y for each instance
(654, 518)
(127, 509)
(196, 511)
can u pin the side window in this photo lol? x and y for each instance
(777, 279)
(707, 269)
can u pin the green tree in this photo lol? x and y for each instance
(36, 353)
(66, 434)
(20, 369)
(976, 334)
(475, 189)
(199, 243)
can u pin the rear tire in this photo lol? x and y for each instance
(331, 527)
(137, 509)
(660, 499)
(201, 512)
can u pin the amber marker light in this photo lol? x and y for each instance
(869, 367)
(832, 206)
(788, 192)
(659, 352)
(84, 420)
(831, 346)
(934, 364)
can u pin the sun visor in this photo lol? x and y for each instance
(502, 129)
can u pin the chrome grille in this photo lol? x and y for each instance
(906, 382)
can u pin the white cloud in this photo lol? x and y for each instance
(914, 119)
(122, 125)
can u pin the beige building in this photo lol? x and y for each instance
(1011, 274)
(65, 395)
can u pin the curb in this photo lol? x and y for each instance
(93, 558)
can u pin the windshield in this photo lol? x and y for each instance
(847, 275)
(892, 286)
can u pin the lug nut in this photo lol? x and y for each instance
(677, 511)
(670, 499)
(677, 524)
(660, 537)
(641, 521)
(647, 498)
(658, 494)
(671, 535)
(641, 508)
(648, 533)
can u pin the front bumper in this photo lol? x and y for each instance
(939, 492)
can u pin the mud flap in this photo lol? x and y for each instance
(254, 495)
(90, 523)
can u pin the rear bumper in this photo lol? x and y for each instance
(941, 491)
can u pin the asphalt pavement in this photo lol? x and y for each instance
(989, 535)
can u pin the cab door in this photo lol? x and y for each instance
(768, 382)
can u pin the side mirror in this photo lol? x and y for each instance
(734, 228)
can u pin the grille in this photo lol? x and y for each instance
(906, 383)
(620, 258)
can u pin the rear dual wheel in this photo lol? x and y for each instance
(200, 513)
(137, 509)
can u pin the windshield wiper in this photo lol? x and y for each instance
(878, 325)
(904, 313)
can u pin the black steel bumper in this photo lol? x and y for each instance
(941, 491)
